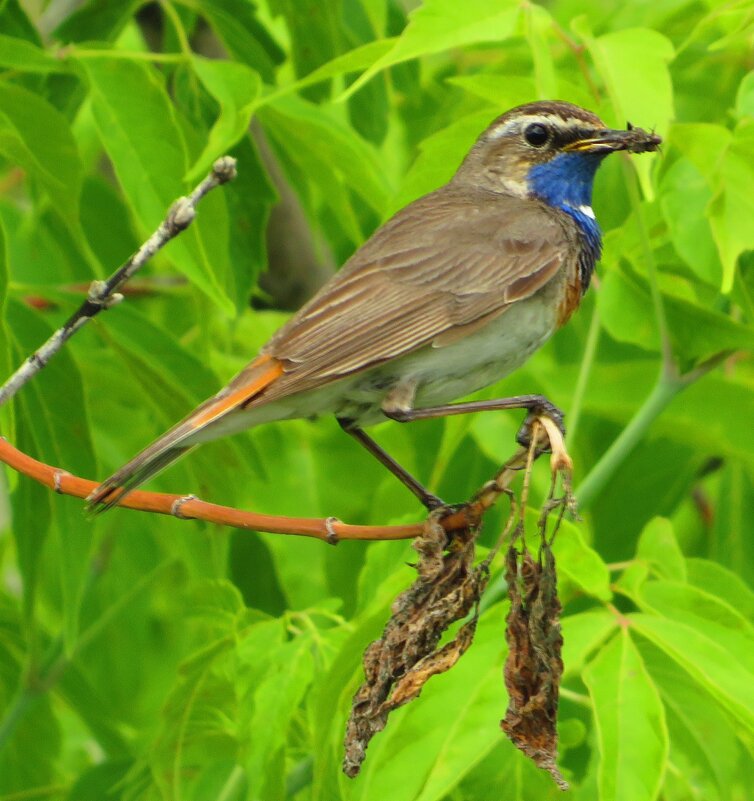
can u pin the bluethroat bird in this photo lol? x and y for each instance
(453, 293)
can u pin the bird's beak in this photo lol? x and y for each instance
(634, 140)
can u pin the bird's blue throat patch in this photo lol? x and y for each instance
(565, 182)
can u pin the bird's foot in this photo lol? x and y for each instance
(543, 409)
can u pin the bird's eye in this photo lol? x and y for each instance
(536, 134)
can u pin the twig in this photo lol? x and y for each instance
(103, 294)
(189, 507)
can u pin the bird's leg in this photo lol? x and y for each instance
(535, 404)
(429, 500)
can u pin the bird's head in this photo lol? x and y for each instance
(549, 150)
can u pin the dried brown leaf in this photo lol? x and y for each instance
(397, 666)
(534, 665)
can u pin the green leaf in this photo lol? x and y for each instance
(704, 145)
(277, 698)
(250, 199)
(106, 223)
(438, 25)
(359, 58)
(684, 197)
(696, 332)
(96, 20)
(241, 32)
(14, 22)
(539, 25)
(659, 547)
(633, 64)
(582, 634)
(25, 122)
(36, 719)
(702, 741)
(96, 783)
(579, 563)
(708, 662)
(716, 579)
(731, 209)
(60, 437)
(5, 347)
(513, 91)
(316, 31)
(23, 56)
(745, 96)
(236, 88)
(139, 130)
(705, 611)
(330, 156)
(630, 720)
(439, 157)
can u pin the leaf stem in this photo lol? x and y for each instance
(662, 393)
(585, 371)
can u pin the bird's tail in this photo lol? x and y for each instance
(143, 466)
(182, 437)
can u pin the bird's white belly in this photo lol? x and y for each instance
(482, 358)
(447, 373)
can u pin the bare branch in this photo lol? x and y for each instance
(103, 294)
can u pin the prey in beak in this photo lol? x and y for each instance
(633, 140)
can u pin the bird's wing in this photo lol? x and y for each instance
(445, 264)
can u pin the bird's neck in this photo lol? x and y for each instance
(565, 182)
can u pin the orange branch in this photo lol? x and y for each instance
(189, 507)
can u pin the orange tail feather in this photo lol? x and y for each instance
(173, 444)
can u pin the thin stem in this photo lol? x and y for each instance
(578, 53)
(576, 698)
(666, 388)
(663, 392)
(585, 371)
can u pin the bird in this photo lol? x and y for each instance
(451, 294)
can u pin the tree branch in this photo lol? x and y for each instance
(103, 294)
(189, 507)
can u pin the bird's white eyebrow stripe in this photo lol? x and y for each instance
(520, 122)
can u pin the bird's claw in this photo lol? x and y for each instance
(543, 409)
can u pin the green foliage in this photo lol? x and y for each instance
(148, 658)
